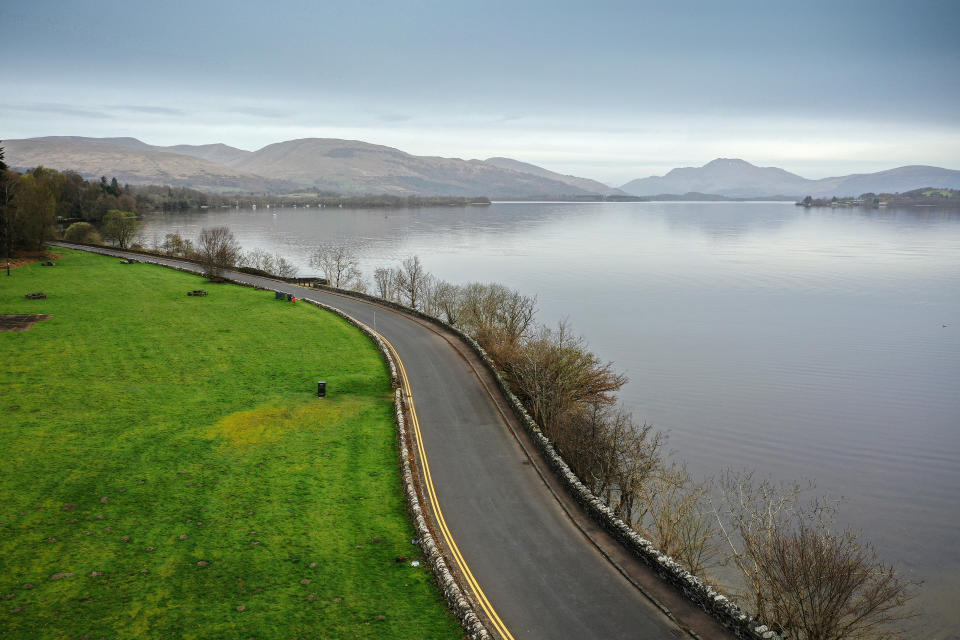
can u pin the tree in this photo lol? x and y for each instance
(82, 232)
(176, 245)
(218, 250)
(677, 517)
(411, 280)
(7, 180)
(803, 575)
(385, 281)
(120, 227)
(33, 212)
(555, 373)
(340, 266)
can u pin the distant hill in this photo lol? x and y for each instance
(725, 177)
(133, 162)
(591, 186)
(353, 167)
(220, 153)
(739, 179)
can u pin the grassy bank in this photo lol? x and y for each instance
(167, 470)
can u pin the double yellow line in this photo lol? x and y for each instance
(431, 495)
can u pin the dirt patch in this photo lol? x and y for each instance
(22, 322)
(21, 258)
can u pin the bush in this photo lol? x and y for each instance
(82, 232)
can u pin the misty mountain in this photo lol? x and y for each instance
(354, 167)
(891, 181)
(739, 179)
(133, 162)
(591, 186)
(725, 177)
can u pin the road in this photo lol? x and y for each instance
(545, 569)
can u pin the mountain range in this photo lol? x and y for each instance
(739, 179)
(352, 167)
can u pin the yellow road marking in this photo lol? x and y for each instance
(435, 504)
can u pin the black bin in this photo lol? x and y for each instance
(321, 388)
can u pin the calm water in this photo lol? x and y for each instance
(807, 344)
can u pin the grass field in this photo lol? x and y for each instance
(168, 472)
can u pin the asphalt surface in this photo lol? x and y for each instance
(541, 574)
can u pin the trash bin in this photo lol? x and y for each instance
(278, 295)
(289, 297)
(321, 388)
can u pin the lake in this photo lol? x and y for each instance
(818, 344)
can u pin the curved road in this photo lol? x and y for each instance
(527, 547)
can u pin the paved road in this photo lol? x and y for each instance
(543, 577)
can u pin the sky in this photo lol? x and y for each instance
(605, 90)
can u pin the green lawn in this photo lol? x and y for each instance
(168, 472)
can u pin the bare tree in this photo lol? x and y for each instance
(495, 315)
(257, 259)
(445, 302)
(283, 268)
(814, 582)
(340, 266)
(555, 373)
(384, 280)
(677, 517)
(411, 280)
(218, 250)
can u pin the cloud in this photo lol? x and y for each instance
(150, 110)
(59, 109)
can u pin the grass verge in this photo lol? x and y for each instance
(169, 472)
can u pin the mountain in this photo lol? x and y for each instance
(591, 186)
(219, 153)
(133, 162)
(891, 181)
(739, 179)
(351, 166)
(725, 177)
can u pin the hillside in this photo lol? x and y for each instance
(351, 166)
(133, 162)
(591, 186)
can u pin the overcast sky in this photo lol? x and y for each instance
(607, 90)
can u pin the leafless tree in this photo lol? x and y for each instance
(340, 266)
(495, 315)
(283, 268)
(676, 516)
(555, 373)
(445, 300)
(257, 259)
(411, 279)
(815, 582)
(385, 280)
(217, 250)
